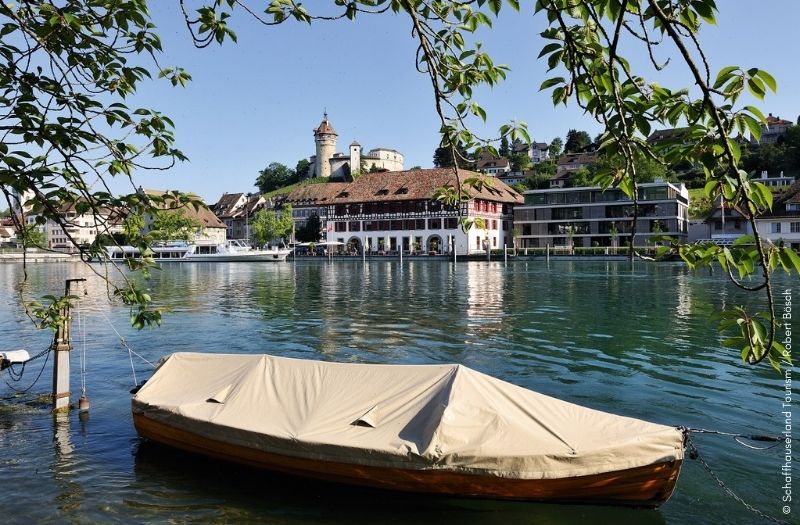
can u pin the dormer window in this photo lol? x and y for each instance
(401, 191)
(384, 191)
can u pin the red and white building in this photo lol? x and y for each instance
(389, 211)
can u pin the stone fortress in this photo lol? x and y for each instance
(339, 166)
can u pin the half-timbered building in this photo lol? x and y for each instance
(391, 211)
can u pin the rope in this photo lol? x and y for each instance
(18, 377)
(124, 342)
(694, 454)
(776, 440)
(133, 368)
(131, 351)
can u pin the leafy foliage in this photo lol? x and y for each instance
(311, 231)
(275, 176)
(31, 236)
(443, 157)
(782, 156)
(89, 46)
(554, 150)
(585, 42)
(577, 141)
(520, 162)
(66, 69)
(268, 225)
(301, 170)
(169, 225)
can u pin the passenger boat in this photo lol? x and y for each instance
(230, 251)
(434, 429)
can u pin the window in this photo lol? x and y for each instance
(355, 226)
(340, 226)
(434, 224)
(794, 227)
(775, 227)
(451, 223)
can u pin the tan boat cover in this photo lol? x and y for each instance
(402, 416)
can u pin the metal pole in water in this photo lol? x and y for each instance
(548, 252)
(505, 253)
(61, 347)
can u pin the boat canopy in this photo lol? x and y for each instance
(401, 416)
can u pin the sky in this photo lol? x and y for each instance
(257, 101)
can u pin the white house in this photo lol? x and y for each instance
(782, 223)
(493, 166)
(80, 228)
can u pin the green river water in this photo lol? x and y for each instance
(637, 342)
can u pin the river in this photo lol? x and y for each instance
(637, 342)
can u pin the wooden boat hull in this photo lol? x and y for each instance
(646, 486)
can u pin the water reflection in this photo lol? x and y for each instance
(634, 341)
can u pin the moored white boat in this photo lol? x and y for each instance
(230, 251)
(436, 429)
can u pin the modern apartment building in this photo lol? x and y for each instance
(589, 216)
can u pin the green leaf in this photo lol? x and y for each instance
(724, 75)
(756, 88)
(551, 82)
(549, 48)
(763, 192)
(793, 257)
(768, 80)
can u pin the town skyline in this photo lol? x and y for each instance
(246, 108)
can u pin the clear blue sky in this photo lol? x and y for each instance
(257, 101)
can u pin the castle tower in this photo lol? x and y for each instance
(355, 157)
(325, 139)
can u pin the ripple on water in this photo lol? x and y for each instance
(637, 343)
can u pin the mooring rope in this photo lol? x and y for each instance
(17, 376)
(131, 351)
(776, 440)
(695, 454)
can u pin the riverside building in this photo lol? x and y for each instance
(389, 211)
(589, 216)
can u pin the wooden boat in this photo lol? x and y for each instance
(437, 429)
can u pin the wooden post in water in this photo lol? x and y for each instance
(61, 347)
